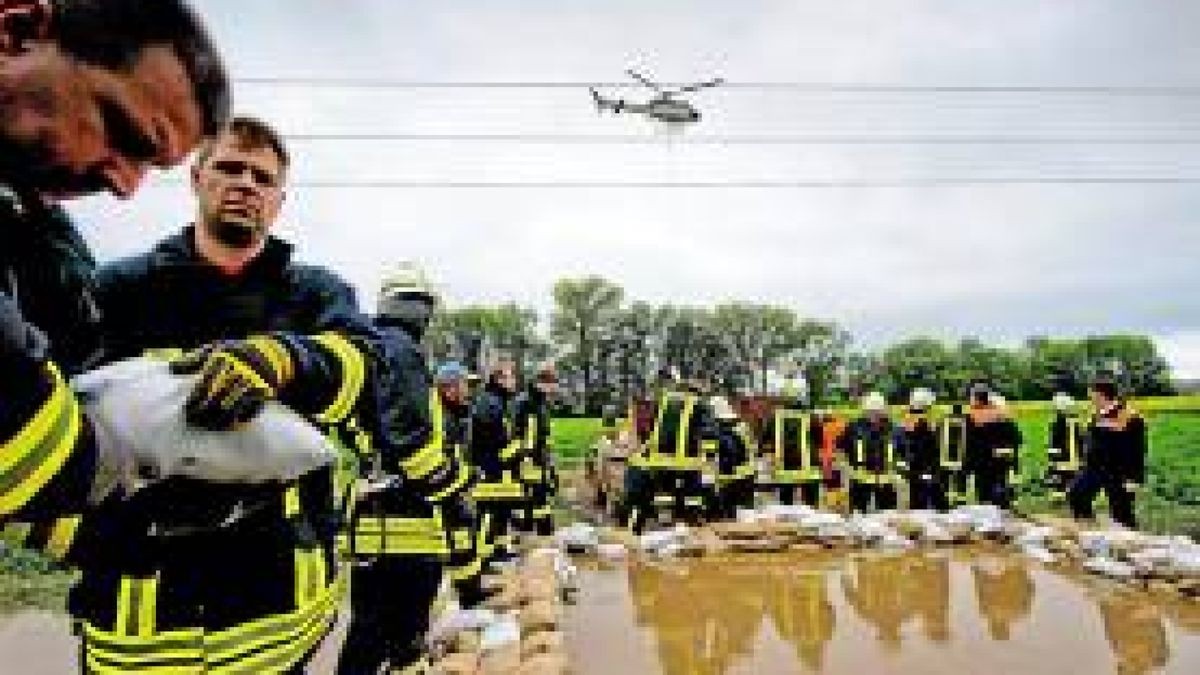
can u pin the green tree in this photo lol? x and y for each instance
(584, 309)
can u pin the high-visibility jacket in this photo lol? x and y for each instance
(993, 442)
(683, 437)
(494, 449)
(49, 325)
(952, 442)
(197, 577)
(531, 421)
(1117, 444)
(1066, 435)
(794, 441)
(871, 450)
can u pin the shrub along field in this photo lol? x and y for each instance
(1170, 502)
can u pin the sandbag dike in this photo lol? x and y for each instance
(791, 589)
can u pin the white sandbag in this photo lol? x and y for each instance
(792, 513)
(1035, 535)
(1113, 569)
(504, 630)
(137, 408)
(579, 538)
(612, 552)
(455, 620)
(1038, 553)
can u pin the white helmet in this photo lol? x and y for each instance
(874, 402)
(921, 398)
(1063, 401)
(999, 401)
(407, 279)
(722, 409)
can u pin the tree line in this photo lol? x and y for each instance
(608, 348)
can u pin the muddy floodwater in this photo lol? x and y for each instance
(955, 612)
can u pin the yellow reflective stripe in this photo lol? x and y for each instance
(432, 455)
(1072, 444)
(301, 561)
(505, 489)
(685, 424)
(291, 501)
(137, 599)
(36, 453)
(243, 369)
(354, 374)
(531, 432)
(859, 451)
(805, 449)
(467, 571)
(461, 478)
(62, 535)
(511, 450)
(277, 357)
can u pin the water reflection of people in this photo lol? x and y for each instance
(704, 615)
(798, 604)
(926, 582)
(1004, 591)
(1134, 628)
(873, 589)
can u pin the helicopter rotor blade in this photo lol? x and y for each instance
(701, 85)
(643, 79)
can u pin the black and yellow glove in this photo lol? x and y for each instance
(236, 378)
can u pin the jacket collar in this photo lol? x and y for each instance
(179, 250)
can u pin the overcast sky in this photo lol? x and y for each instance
(997, 261)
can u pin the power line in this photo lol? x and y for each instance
(819, 87)
(400, 184)
(614, 139)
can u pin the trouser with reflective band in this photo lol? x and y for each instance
(954, 485)
(1089, 483)
(1059, 477)
(682, 493)
(255, 597)
(390, 602)
(467, 561)
(538, 514)
(862, 494)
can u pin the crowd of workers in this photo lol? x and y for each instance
(181, 574)
(701, 459)
(186, 575)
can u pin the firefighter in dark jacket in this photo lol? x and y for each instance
(494, 451)
(1115, 460)
(677, 459)
(870, 446)
(537, 470)
(735, 461)
(465, 566)
(952, 448)
(918, 443)
(400, 539)
(791, 439)
(248, 571)
(55, 147)
(992, 448)
(1067, 432)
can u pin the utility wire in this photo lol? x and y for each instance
(398, 184)
(708, 139)
(387, 83)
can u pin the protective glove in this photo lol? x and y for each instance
(235, 379)
(1132, 487)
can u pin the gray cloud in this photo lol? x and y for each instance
(996, 261)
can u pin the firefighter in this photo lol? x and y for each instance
(918, 445)
(792, 440)
(735, 470)
(952, 443)
(465, 567)
(1115, 460)
(1066, 436)
(65, 67)
(674, 466)
(399, 538)
(537, 470)
(992, 448)
(495, 453)
(869, 443)
(227, 562)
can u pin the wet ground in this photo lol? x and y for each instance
(947, 612)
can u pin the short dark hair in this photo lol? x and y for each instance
(250, 133)
(1106, 387)
(114, 34)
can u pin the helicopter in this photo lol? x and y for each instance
(664, 107)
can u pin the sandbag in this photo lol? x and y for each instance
(137, 409)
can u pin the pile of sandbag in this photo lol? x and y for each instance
(517, 630)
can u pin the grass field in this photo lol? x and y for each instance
(1170, 503)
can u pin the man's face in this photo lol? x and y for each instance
(1099, 400)
(68, 129)
(506, 378)
(239, 191)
